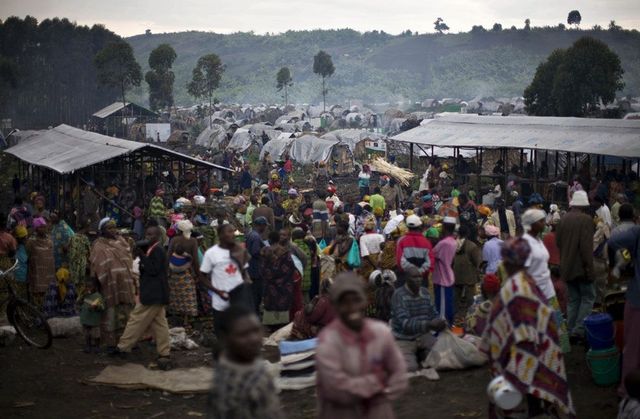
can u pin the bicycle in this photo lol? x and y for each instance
(30, 324)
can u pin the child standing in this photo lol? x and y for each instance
(90, 315)
(242, 386)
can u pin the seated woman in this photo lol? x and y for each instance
(318, 313)
(476, 320)
(523, 344)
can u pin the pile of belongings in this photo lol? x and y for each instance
(298, 364)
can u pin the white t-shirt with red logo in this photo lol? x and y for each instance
(224, 273)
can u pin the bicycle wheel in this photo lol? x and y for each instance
(30, 324)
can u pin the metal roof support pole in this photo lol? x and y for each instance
(79, 210)
(568, 169)
(506, 172)
(535, 171)
(411, 157)
(479, 171)
(555, 175)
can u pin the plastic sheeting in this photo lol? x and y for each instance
(212, 137)
(241, 140)
(309, 149)
(277, 147)
(612, 137)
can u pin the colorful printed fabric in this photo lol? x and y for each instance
(61, 233)
(522, 343)
(54, 306)
(182, 291)
(306, 278)
(156, 208)
(79, 249)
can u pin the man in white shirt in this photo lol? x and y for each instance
(223, 272)
(602, 211)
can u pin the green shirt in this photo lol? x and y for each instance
(377, 201)
(91, 310)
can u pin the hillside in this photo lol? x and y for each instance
(377, 66)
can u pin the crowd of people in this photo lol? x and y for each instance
(377, 275)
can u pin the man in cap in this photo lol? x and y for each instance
(574, 236)
(358, 363)
(255, 243)
(413, 249)
(413, 317)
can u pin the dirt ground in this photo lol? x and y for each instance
(49, 384)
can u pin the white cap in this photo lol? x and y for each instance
(413, 221)
(449, 220)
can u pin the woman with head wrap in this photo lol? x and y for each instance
(111, 263)
(491, 249)
(521, 341)
(183, 269)
(61, 233)
(537, 265)
(41, 271)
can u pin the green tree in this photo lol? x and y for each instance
(205, 79)
(323, 66)
(574, 18)
(497, 27)
(284, 81)
(160, 78)
(589, 73)
(440, 26)
(573, 82)
(118, 68)
(613, 27)
(527, 24)
(538, 98)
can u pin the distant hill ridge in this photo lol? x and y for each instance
(378, 67)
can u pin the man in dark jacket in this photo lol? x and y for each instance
(149, 312)
(574, 237)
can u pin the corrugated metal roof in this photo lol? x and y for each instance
(117, 106)
(66, 149)
(613, 137)
(108, 110)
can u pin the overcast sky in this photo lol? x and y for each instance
(131, 17)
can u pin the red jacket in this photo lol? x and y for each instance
(414, 249)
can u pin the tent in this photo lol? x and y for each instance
(277, 147)
(309, 149)
(241, 140)
(213, 137)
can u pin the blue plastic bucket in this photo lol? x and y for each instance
(599, 330)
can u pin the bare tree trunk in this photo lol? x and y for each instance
(324, 97)
(286, 96)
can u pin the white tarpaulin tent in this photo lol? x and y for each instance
(309, 149)
(613, 137)
(212, 137)
(277, 147)
(241, 140)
